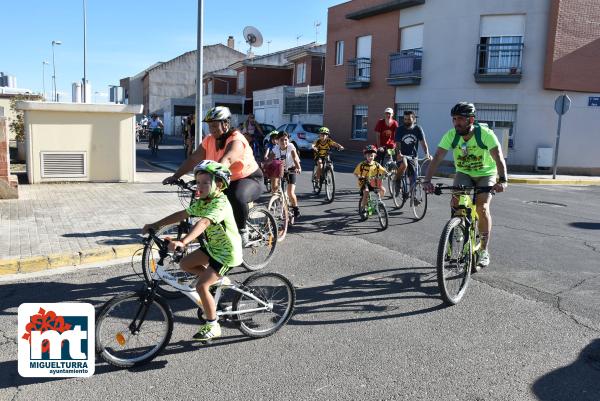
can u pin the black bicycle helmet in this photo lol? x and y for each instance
(464, 109)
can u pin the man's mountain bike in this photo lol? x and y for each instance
(460, 243)
(410, 187)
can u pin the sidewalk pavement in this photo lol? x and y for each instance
(58, 225)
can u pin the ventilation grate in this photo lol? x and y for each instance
(63, 164)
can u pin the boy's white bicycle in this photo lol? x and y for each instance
(133, 328)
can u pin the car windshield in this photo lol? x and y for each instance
(312, 128)
(267, 128)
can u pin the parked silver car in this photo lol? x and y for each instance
(301, 135)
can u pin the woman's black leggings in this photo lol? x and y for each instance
(241, 192)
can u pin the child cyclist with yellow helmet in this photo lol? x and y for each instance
(223, 246)
(322, 147)
(368, 173)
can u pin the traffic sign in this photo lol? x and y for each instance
(562, 104)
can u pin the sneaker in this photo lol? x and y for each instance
(208, 331)
(296, 212)
(484, 258)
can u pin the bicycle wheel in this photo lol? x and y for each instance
(391, 180)
(424, 167)
(273, 289)
(454, 261)
(262, 235)
(382, 215)
(150, 257)
(362, 211)
(315, 182)
(418, 200)
(279, 210)
(401, 194)
(130, 333)
(329, 185)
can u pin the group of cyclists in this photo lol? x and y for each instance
(228, 177)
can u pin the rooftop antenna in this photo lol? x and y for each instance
(298, 40)
(253, 37)
(317, 25)
(268, 46)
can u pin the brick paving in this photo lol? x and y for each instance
(69, 218)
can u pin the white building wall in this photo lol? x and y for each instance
(451, 33)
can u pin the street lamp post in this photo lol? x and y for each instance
(44, 64)
(84, 87)
(54, 43)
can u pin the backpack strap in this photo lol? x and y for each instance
(477, 138)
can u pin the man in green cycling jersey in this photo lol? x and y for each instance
(477, 159)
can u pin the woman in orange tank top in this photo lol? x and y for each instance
(228, 146)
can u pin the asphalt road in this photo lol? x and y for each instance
(369, 321)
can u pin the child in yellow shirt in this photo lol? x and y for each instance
(369, 174)
(321, 147)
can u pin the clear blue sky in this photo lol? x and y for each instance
(126, 36)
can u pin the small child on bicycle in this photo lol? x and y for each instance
(368, 173)
(286, 152)
(273, 140)
(223, 242)
(321, 147)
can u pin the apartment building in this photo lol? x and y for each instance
(511, 58)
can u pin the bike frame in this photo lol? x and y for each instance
(189, 290)
(467, 211)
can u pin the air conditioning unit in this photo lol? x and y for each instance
(543, 161)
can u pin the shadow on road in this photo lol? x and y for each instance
(586, 225)
(114, 237)
(368, 296)
(579, 381)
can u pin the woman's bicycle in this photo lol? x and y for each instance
(411, 188)
(262, 235)
(279, 206)
(133, 328)
(155, 139)
(327, 178)
(460, 243)
(374, 205)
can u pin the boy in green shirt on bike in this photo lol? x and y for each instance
(223, 242)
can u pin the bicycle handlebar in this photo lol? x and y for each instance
(463, 188)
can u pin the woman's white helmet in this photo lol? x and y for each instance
(389, 110)
(219, 113)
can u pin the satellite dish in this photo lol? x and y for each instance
(252, 36)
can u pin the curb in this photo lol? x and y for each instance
(53, 261)
(548, 181)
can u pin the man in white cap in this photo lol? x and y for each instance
(385, 132)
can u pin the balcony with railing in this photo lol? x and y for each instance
(499, 63)
(405, 67)
(358, 73)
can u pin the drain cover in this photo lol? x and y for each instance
(545, 203)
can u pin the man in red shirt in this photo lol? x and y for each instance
(385, 131)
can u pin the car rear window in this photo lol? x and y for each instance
(290, 128)
(311, 128)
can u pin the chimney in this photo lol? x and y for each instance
(230, 42)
